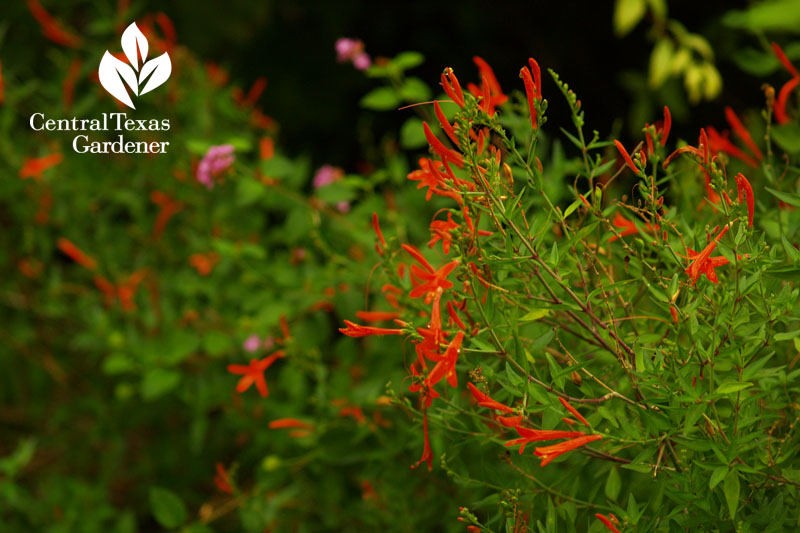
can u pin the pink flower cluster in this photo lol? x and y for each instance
(253, 343)
(217, 159)
(352, 50)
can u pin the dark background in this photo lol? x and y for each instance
(315, 99)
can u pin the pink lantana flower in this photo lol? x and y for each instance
(352, 50)
(252, 343)
(327, 174)
(217, 160)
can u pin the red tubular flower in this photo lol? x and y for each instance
(674, 312)
(413, 252)
(254, 373)
(508, 421)
(223, 480)
(741, 132)
(706, 146)
(628, 227)
(484, 400)
(283, 423)
(487, 73)
(357, 330)
(377, 227)
(649, 139)
(537, 77)
(51, 28)
(446, 368)
(530, 93)
(168, 208)
(537, 435)
(76, 254)
(446, 126)
(606, 522)
(785, 60)
(432, 280)
(451, 86)
(35, 167)
(720, 143)
(703, 263)
(574, 411)
(440, 231)
(454, 316)
(377, 316)
(427, 453)
(783, 97)
(444, 152)
(624, 153)
(548, 453)
(743, 186)
(667, 126)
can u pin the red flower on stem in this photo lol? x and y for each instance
(444, 152)
(628, 227)
(451, 87)
(574, 411)
(703, 263)
(484, 400)
(290, 423)
(743, 187)
(357, 330)
(626, 157)
(528, 435)
(51, 28)
(35, 167)
(223, 480)
(254, 373)
(440, 231)
(76, 254)
(741, 132)
(548, 453)
(432, 280)
(783, 95)
(667, 126)
(607, 522)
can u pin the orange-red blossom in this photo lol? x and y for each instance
(254, 373)
(703, 263)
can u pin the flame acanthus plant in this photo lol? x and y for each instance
(517, 292)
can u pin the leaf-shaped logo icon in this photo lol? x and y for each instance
(132, 40)
(113, 72)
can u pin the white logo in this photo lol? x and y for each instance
(153, 73)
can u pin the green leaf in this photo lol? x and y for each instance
(627, 14)
(789, 335)
(415, 90)
(158, 382)
(613, 484)
(534, 314)
(167, 508)
(789, 198)
(412, 135)
(661, 62)
(791, 252)
(787, 136)
(408, 60)
(730, 388)
(777, 15)
(717, 476)
(381, 99)
(11, 464)
(731, 489)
